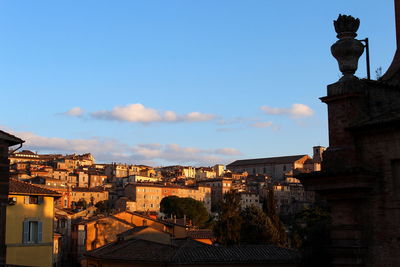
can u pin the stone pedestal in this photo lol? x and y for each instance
(360, 175)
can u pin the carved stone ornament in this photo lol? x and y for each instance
(347, 50)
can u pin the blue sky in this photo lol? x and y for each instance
(176, 82)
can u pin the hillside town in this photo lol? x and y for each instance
(334, 206)
(82, 206)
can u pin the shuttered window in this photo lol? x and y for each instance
(32, 231)
(33, 200)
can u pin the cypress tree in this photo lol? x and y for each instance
(228, 227)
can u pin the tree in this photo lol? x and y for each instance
(276, 227)
(180, 207)
(103, 206)
(311, 235)
(255, 226)
(81, 203)
(228, 227)
(91, 201)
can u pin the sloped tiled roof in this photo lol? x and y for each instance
(11, 139)
(234, 255)
(132, 231)
(23, 188)
(138, 250)
(274, 160)
(200, 234)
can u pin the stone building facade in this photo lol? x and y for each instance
(277, 168)
(360, 175)
(148, 196)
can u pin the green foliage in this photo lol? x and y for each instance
(193, 209)
(255, 228)
(81, 204)
(250, 226)
(103, 207)
(311, 235)
(91, 201)
(276, 227)
(227, 229)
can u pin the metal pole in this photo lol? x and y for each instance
(367, 57)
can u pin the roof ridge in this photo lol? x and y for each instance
(35, 185)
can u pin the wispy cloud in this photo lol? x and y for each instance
(110, 150)
(57, 144)
(74, 112)
(228, 151)
(262, 124)
(296, 111)
(175, 153)
(139, 113)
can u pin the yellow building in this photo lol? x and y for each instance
(148, 196)
(29, 224)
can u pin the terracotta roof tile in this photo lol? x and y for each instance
(24, 188)
(138, 250)
(256, 254)
(134, 250)
(200, 234)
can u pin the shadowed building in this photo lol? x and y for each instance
(6, 140)
(140, 252)
(360, 175)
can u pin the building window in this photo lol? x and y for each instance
(32, 231)
(33, 200)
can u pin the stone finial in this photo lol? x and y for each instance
(347, 50)
(346, 26)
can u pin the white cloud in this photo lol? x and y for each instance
(176, 154)
(58, 145)
(197, 116)
(131, 113)
(74, 112)
(261, 124)
(228, 151)
(296, 111)
(139, 113)
(109, 150)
